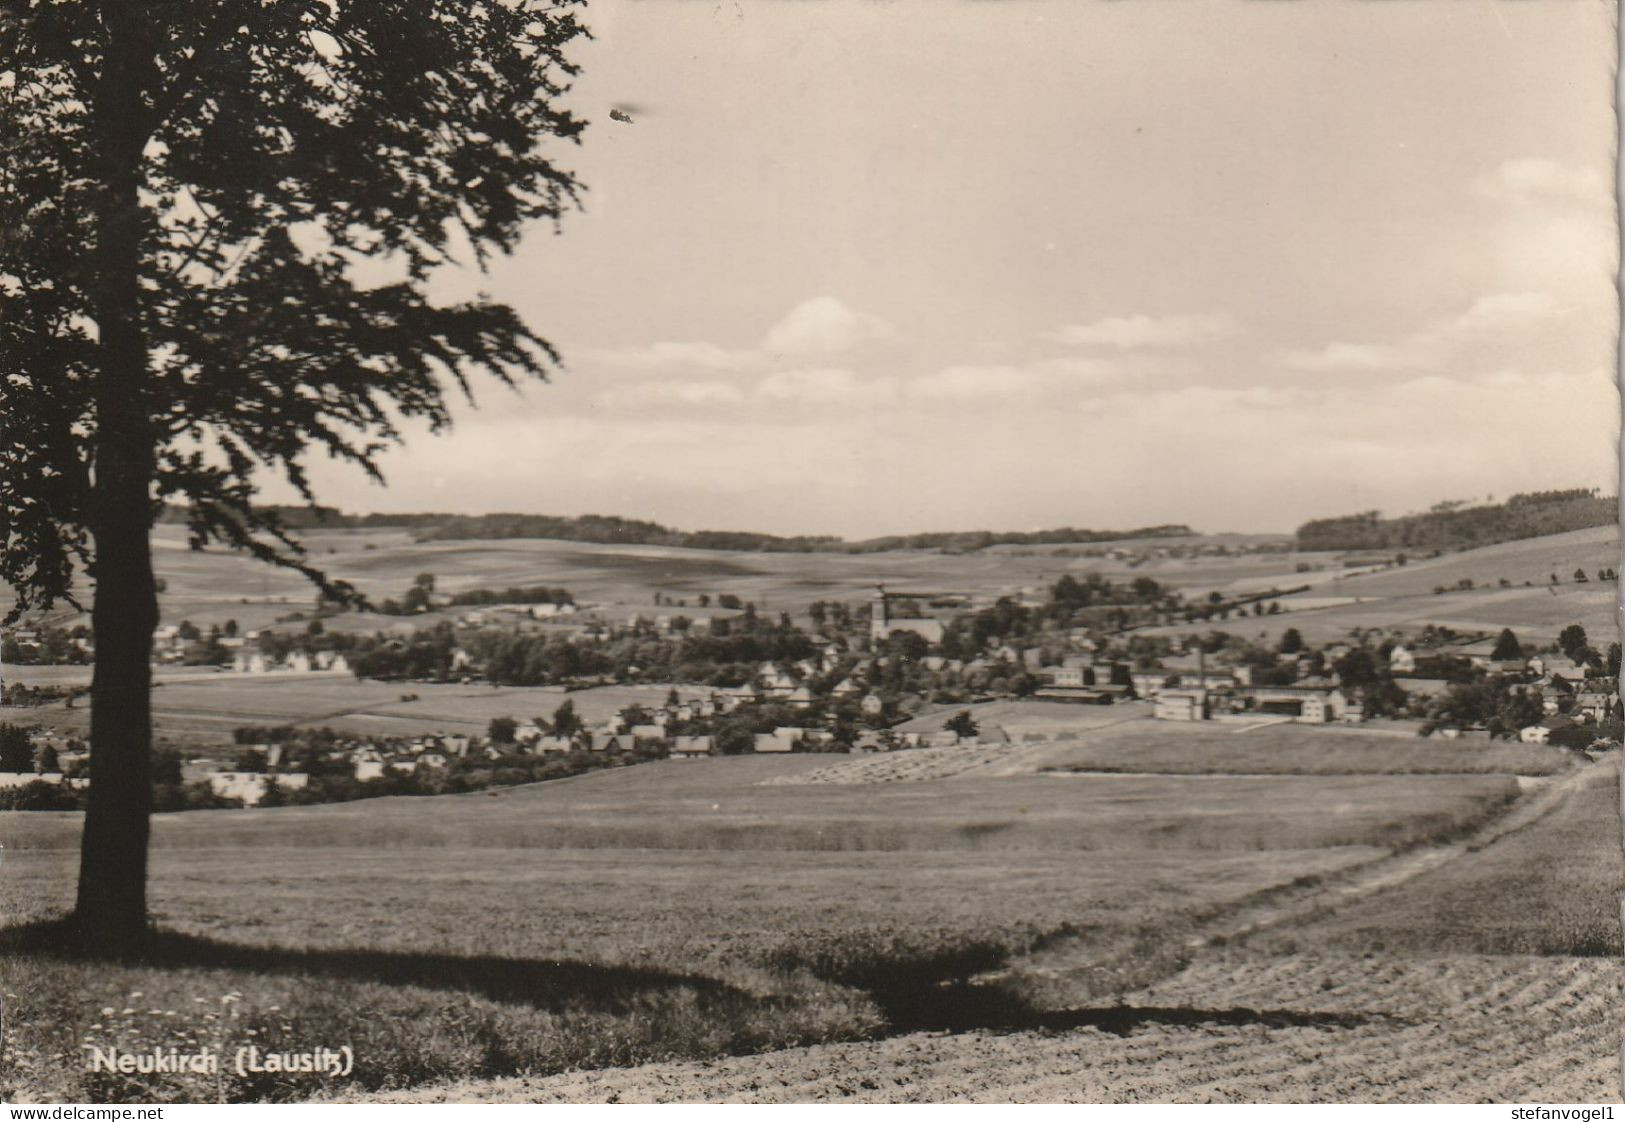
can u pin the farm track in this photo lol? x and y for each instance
(1233, 1025)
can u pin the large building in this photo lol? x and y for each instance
(882, 624)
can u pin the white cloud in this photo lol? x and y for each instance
(1533, 179)
(821, 326)
(1500, 320)
(670, 391)
(1136, 332)
(825, 387)
(679, 356)
(964, 383)
(1343, 356)
(824, 325)
(1023, 383)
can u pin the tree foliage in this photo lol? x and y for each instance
(271, 148)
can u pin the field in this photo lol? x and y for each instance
(1403, 596)
(214, 586)
(1494, 976)
(638, 920)
(1283, 749)
(190, 708)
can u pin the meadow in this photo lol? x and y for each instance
(1553, 888)
(1294, 750)
(679, 910)
(203, 710)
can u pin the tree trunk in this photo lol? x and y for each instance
(111, 912)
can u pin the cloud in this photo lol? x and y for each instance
(1343, 356)
(1023, 383)
(1500, 320)
(1136, 332)
(824, 325)
(825, 387)
(1530, 180)
(656, 393)
(965, 383)
(679, 356)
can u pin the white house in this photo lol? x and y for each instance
(250, 785)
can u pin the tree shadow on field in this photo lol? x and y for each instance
(545, 985)
(968, 1007)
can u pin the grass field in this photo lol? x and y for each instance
(723, 804)
(1492, 977)
(1290, 750)
(665, 912)
(1551, 889)
(204, 712)
(214, 586)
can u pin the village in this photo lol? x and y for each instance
(858, 679)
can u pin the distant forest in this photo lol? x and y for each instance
(1456, 525)
(612, 530)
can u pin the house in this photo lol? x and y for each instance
(773, 742)
(1314, 705)
(871, 742)
(1427, 687)
(1210, 680)
(611, 742)
(368, 764)
(1084, 695)
(647, 732)
(872, 706)
(928, 629)
(690, 747)
(800, 698)
(1541, 732)
(1070, 676)
(249, 663)
(250, 786)
(1595, 699)
(845, 688)
(1148, 683)
(298, 662)
(1401, 660)
(1182, 705)
(433, 758)
(553, 745)
(1557, 666)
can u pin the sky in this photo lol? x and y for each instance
(861, 268)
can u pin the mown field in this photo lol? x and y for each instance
(204, 712)
(671, 911)
(1294, 750)
(1493, 977)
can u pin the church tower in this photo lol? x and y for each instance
(879, 617)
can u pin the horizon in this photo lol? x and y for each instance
(1228, 267)
(1124, 532)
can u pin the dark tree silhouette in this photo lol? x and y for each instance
(185, 188)
(1506, 646)
(1572, 641)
